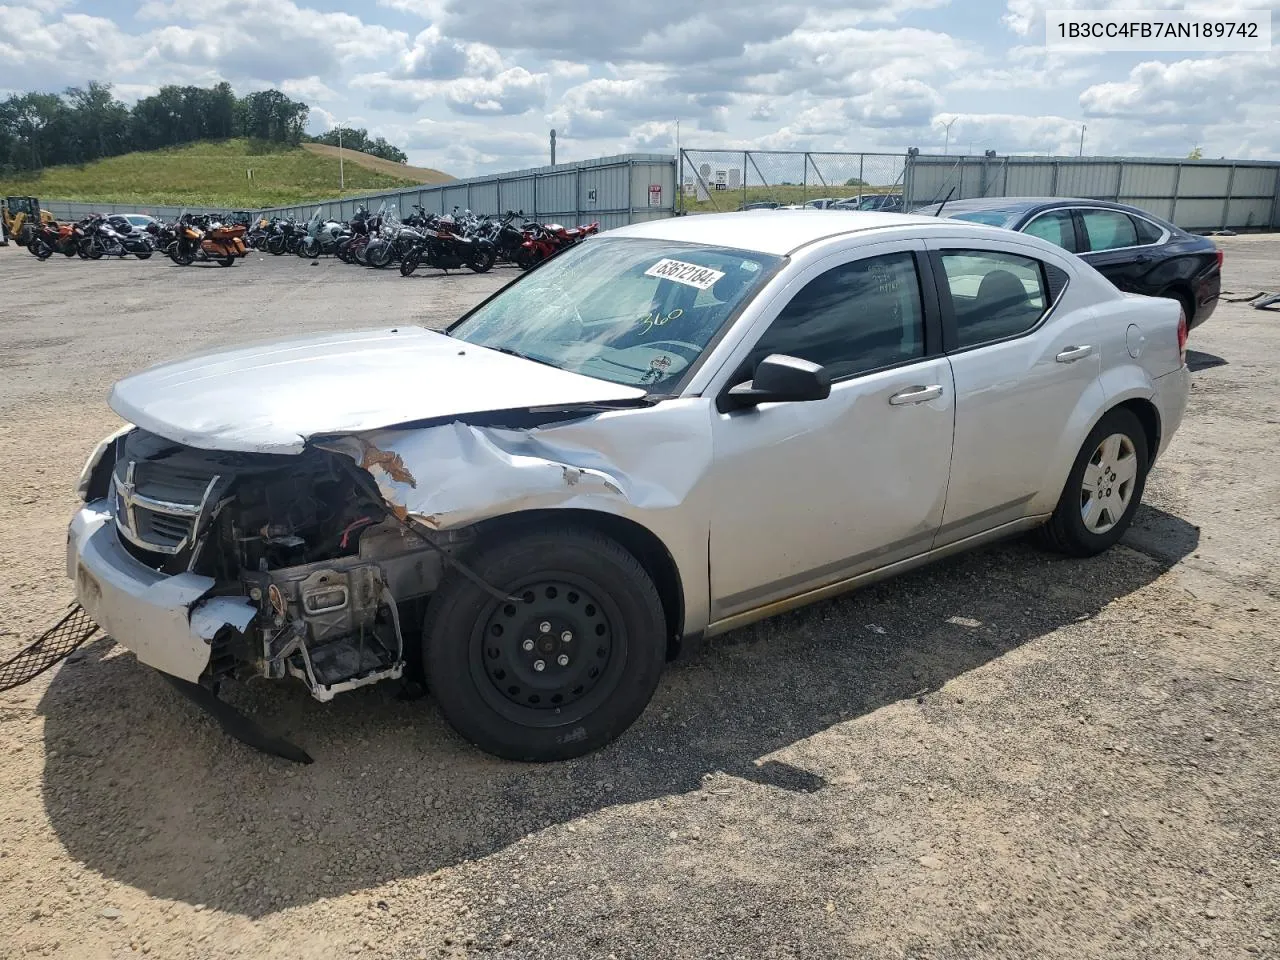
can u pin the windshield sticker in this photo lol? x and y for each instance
(689, 274)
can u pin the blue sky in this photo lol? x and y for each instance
(473, 87)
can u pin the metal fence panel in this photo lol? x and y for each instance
(1148, 180)
(1204, 181)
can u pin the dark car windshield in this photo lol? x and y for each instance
(632, 311)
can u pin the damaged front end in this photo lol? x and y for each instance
(214, 565)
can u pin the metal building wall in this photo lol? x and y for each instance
(614, 191)
(1194, 194)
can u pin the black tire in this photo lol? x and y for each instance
(227, 262)
(142, 254)
(409, 263)
(482, 260)
(1066, 531)
(582, 583)
(41, 250)
(91, 249)
(276, 249)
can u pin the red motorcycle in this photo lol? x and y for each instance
(51, 238)
(542, 241)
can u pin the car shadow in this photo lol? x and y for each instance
(143, 788)
(1198, 360)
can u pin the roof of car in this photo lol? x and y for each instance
(1019, 204)
(776, 232)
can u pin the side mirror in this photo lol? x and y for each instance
(781, 379)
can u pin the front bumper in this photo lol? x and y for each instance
(1172, 393)
(166, 621)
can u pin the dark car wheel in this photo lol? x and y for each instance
(562, 668)
(1103, 490)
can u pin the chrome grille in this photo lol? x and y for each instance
(166, 526)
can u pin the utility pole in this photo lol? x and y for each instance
(1083, 128)
(946, 143)
(553, 148)
(342, 171)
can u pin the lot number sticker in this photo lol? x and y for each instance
(690, 274)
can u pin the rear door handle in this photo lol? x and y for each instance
(1072, 354)
(916, 395)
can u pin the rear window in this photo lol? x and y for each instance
(1148, 232)
(992, 218)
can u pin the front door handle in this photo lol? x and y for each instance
(1072, 354)
(916, 395)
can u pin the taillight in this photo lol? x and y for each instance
(1182, 336)
(1219, 253)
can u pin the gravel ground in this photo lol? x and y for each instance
(1009, 754)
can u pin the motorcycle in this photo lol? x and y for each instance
(259, 233)
(51, 238)
(101, 239)
(286, 236)
(321, 236)
(356, 227)
(543, 241)
(393, 242)
(445, 246)
(205, 238)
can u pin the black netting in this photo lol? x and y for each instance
(54, 645)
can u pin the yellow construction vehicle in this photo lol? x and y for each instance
(19, 217)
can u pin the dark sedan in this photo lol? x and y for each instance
(1138, 252)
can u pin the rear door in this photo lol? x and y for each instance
(1023, 362)
(1116, 248)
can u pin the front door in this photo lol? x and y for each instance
(806, 494)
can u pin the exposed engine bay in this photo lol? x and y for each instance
(307, 539)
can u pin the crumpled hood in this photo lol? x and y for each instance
(271, 398)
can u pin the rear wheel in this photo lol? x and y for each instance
(482, 259)
(227, 262)
(142, 254)
(563, 667)
(409, 263)
(1103, 490)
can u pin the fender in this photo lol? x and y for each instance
(645, 465)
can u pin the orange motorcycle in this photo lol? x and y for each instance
(200, 237)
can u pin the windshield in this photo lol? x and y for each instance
(632, 311)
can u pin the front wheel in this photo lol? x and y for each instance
(564, 666)
(227, 262)
(1103, 489)
(142, 254)
(409, 263)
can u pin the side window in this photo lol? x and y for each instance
(994, 295)
(1109, 229)
(856, 317)
(1056, 227)
(1148, 232)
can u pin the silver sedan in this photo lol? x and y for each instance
(664, 433)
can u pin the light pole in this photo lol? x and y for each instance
(342, 171)
(1083, 128)
(946, 143)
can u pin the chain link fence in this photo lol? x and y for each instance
(717, 181)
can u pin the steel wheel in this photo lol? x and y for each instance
(549, 651)
(1108, 484)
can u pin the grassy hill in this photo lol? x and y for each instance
(389, 167)
(216, 174)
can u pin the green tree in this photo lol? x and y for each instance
(855, 182)
(1196, 154)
